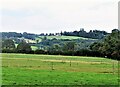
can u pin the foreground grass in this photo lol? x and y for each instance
(26, 69)
(54, 77)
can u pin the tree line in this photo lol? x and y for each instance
(95, 34)
(109, 47)
(8, 46)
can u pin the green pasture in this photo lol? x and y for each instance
(30, 69)
(65, 37)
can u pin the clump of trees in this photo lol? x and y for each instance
(95, 34)
(8, 46)
(110, 47)
(18, 35)
(24, 47)
(68, 48)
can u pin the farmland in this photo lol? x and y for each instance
(65, 37)
(40, 43)
(29, 69)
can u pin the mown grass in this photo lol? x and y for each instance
(27, 69)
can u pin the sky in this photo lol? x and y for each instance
(52, 16)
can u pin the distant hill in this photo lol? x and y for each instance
(64, 37)
(92, 34)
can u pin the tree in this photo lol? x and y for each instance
(24, 47)
(96, 46)
(8, 44)
(57, 47)
(44, 38)
(37, 43)
(69, 46)
(110, 45)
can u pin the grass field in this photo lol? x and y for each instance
(29, 69)
(65, 37)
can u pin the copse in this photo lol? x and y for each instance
(110, 46)
(69, 46)
(24, 47)
(8, 44)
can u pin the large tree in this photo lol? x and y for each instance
(8, 44)
(69, 46)
(24, 47)
(110, 45)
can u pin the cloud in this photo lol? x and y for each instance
(55, 15)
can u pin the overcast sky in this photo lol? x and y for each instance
(45, 16)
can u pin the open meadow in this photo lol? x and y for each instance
(31, 69)
(65, 37)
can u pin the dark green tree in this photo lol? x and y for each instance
(96, 46)
(69, 46)
(8, 44)
(56, 47)
(24, 47)
(110, 46)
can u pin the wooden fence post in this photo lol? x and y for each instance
(52, 66)
(113, 68)
(70, 63)
(118, 72)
